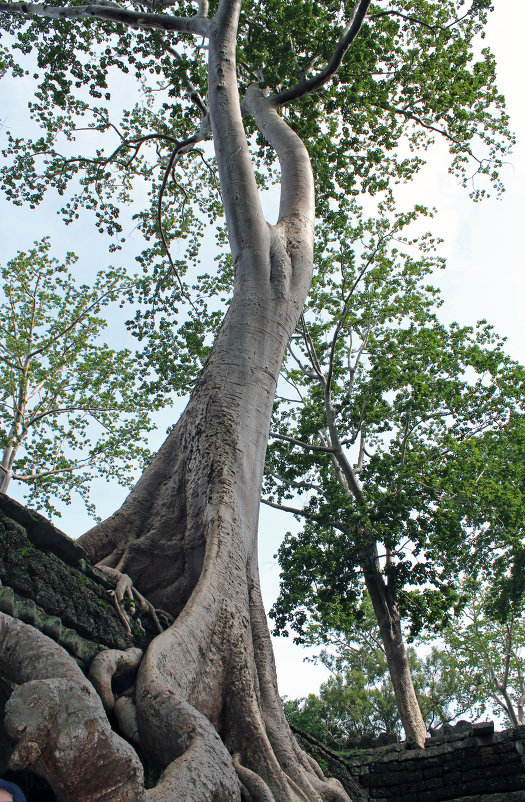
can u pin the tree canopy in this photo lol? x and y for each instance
(408, 78)
(337, 105)
(71, 407)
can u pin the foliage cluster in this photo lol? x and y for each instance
(71, 407)
(403, 436)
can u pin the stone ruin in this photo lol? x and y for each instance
(46, 580)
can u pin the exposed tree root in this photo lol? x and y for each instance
(124, 589)
(257, 788)
(125, 711)
(108, 664)
(58, 723)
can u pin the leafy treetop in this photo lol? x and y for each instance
(71, 407)
(408, 78)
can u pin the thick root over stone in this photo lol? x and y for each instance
(59, 725)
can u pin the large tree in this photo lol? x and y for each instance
(71, 407)
(207, 705)
(386, 413)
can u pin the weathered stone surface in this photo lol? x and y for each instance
(46, 581)
(467, 763)
(41, 532)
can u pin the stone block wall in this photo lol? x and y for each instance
(47, 581)
(459, 764)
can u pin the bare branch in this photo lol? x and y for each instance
(298, 485)
(301, 443)
(308, 85)
(114, 13)
(310, 516)
(409, 18)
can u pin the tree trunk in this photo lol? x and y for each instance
(208, 708)
(389, 621)
(188, 536)
(207, 704)
(5, 479)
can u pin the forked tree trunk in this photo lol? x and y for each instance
(188, 537)
(207, 703)
(389, 621)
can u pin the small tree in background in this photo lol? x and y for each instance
(359, 700)
(386, 414)
(71, 407)
(488, 656)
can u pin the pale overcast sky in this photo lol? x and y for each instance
(485, 276)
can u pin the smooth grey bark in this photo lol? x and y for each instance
(207, 705)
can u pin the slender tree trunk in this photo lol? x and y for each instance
(5, 478)
(389, 622)
(383, 599)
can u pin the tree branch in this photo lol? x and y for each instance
(298, 485)
(62, 410)
(114, 13)
(310, 349)
(295, 511)
(420, 121)
(33, 477)
(302, 444)
(409, 18)
(193, 93)
(297, 184)
(182, 147)
(71, 326)
(247, 228)
(308, 85)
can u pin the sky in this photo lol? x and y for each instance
(484, 278)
